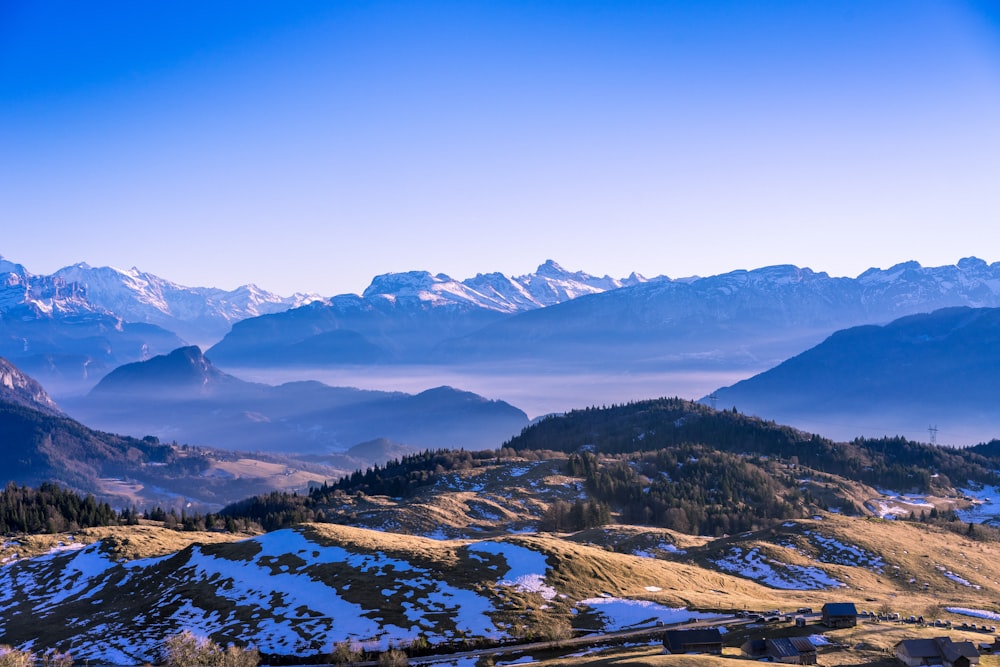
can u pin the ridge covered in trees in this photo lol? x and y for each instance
(665, 462)
(647, 426)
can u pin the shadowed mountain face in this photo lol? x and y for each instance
(183, 396)
(939, 368)
(38, 445)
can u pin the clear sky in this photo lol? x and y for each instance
(307, 146)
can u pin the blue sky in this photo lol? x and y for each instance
(307, 146)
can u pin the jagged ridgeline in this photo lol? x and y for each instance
(666, 462)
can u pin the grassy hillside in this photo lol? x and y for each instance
(295, 592)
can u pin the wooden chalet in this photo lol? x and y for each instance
(840, 615)
(937, 651)
(708, 640)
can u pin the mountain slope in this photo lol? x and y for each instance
(183, 396)
(294, 593)
(937, 368)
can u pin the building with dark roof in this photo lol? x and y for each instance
(840, 615)
(708, 640)
(937, 651)
(788, 650)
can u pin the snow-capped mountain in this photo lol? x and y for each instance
(549, 285)
(196, 314)
(746, 319)
(401, 317)
(26, 296)
(71, 327)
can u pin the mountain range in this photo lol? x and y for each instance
(743, 319)
(72, 327)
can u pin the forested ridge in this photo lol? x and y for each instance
(645, 426)
(666, 462)
(54, 446)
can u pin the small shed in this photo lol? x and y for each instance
(708, 640)
(840, 615)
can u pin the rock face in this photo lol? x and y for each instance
(18, 388)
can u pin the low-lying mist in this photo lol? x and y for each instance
(537, 393)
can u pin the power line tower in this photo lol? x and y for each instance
(714, 399)
(933, 431)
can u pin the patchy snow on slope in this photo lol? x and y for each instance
(836, 552)
(977, 613)
(984, 508)
(620, 614)
(527, 568)
(956, 578)
(287, 594)
(652, 551)
(755, 565)
(894, 504)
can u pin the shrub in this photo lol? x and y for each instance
(344, 653)
(10, 657)
(393, 657)
(187, 650)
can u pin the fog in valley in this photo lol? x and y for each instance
(537, 393)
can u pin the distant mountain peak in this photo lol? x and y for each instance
(407, 283)
(183, 369)
(550, 267)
